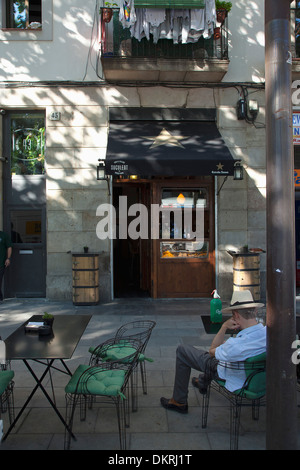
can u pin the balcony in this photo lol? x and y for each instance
(295, 42)
(126, 59)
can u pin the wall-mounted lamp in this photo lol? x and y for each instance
(101, 176)
(238, 171)
(238, 174)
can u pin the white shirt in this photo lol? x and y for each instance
(248, 343)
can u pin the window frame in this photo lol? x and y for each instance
(28, 12)
(19, 34)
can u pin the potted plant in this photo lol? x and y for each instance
(48, 318)
(222, 8)
(107, 11)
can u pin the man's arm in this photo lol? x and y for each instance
(229, 324)
(9, 252)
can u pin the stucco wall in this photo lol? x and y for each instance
(68, 45)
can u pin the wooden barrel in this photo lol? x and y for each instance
(85, 276)
(246, 273)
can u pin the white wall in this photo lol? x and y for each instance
(246, 41)
(60, 51)
(66, 48)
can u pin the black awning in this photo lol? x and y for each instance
(167, 148)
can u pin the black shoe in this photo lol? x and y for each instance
(166, 403)
(201, 383)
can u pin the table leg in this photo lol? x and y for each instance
(39, 385)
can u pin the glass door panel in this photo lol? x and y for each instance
(27, 144)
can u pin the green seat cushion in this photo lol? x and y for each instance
(5, 377)
(105, 382)
(118, 351)
(250, 394)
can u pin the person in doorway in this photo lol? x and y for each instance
(250, 341)
(5, 256)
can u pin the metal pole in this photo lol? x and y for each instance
(281, 431)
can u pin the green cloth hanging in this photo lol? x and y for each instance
(176, 4)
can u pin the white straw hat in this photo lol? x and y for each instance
(240, 300)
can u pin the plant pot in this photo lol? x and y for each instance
(217, 33)
(107, 14)
(221, 15)
(86, 249)
(49, 322)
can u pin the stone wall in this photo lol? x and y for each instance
(242, 204)
(79, 138)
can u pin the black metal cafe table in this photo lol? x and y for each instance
(59, 345)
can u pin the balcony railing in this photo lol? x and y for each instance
(116, 42)
(295, 19)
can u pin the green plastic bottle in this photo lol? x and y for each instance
(215, 308)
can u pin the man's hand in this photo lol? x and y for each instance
(231, 324)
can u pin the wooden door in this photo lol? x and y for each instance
(182, 267)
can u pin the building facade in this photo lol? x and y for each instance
(158, 112)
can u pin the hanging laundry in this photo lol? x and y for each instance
(181, 25)
(198, 19)
(210, 18)
(141, 28)
(155, 16)
(127, 15)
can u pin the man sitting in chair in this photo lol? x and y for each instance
(249, 342)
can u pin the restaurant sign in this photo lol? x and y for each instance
(296, 128)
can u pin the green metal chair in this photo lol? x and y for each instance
(252, 393)
(104, 382)
(140, 330)
(6, 394)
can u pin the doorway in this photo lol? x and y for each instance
(132, 256)
(164, 265)
(24, 211)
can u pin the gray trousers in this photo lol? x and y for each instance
(187, 358)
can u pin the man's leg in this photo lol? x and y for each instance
(187, 358)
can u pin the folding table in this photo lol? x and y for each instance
(59, 345)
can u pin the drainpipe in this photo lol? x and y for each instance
(216, 237)
(281, 421)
